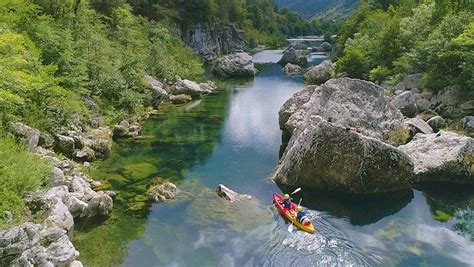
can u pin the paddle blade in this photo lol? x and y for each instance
(296, 190)
(290, 228)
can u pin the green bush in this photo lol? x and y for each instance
(353, 64)
(379, 74)
(20, 172)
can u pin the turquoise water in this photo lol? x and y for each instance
(232, 137)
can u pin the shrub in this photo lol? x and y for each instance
(353, 64)
(20, 172)
(379, 74)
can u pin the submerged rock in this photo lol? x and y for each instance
(181, 99)
(320, 73)
(444, 156)
(327, 156)
(235, 65)
(210, 210)
(230, 195)
(162, 191)
(298, 57)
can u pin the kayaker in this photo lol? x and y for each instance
(301, 216)
(286, 202)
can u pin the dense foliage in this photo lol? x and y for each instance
(261, 21)
(331, 9)
(398, 37)
(17, 178)
(59, 55)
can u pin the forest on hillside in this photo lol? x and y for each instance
(386, 39)
(330, 9)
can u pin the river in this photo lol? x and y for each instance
(232, 137)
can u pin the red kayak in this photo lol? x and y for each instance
(290, 214)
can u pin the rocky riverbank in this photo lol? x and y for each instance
(347, 135)
(70, 194)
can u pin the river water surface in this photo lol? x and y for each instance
(232, 137)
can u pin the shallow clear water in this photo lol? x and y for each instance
(232, 137)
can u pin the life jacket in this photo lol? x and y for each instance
(301, 216)
(286, 203)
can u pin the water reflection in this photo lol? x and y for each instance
(453, 204)
(358, 209)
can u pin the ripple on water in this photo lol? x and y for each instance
(327, 247)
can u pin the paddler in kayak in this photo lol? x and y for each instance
(301, 216)
(286, 202)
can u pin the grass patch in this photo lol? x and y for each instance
(20, 172)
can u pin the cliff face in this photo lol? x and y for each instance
(209, 41)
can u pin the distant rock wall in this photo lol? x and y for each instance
(209, 41)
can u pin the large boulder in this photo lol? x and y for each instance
(455, 101)
(159, 93)
(320, 73)
(235, 65)
(437, 123)
(84, 154)
(101, 204)
(467, 123)
(26, 134)
(298, 46)
(412, 81)
(417, 125)
(444, 156)
(357, 104)
(36, 245)
(298, 57)
(65, 144)
(46, 140)
(226, 193)
(405, 103)
(338, 132)
(291, 69)
(56, 177)
(188, 87)
(327, 156)
(121, 129)
(325, 47)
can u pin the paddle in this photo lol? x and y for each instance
(290, 227)
(296, 190)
